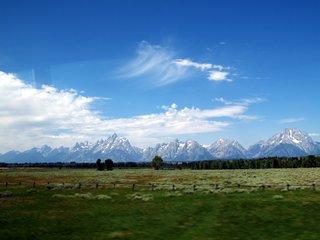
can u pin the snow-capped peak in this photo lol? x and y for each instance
(224, 141)
(225, 148)
(82, 146)
(295, 137)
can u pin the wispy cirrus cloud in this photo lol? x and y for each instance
(291, 120)
(161, 66)
(31, 116)
(154, 63)
(242, 101)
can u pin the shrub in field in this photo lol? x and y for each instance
(62, 196)
(58, 187)
(188, 191)
(173, 194)
(82, 196)
(140, 196)
(243, 190)
(32, 190)
(102, 197)
(277, 197)
(114, 194)
(91, 196)
(5, 194)
(207, 192)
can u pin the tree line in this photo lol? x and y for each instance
(311, 161)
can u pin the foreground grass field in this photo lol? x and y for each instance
(106, 213)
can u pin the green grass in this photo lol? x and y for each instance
(159, 215)
(279, 177)
(39, 213)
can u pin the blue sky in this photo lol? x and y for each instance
(154, 71)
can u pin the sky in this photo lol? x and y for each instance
(154, 71)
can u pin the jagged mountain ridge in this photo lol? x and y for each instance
(290, 142)
(227, 149)
(178, 151)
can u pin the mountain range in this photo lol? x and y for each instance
(291, 142)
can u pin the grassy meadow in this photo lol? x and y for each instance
(225, 204)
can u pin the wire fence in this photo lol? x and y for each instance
(157, 186)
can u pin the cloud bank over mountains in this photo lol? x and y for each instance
(31, 116)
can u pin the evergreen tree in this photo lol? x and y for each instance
(100, 166)
(157, 162)
(109, 164)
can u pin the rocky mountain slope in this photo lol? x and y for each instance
(227, 149)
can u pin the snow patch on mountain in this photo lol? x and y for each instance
(178, 151)
(227, 149)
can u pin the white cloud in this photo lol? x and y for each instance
(291, 120)
(201, 66)
(173, 122)
(245, 102)
(32, 116)
(28, 115)
(218, 76)
(190, 63)
(220, 67)
(160, 65)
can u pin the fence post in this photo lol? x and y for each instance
(133, 185)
